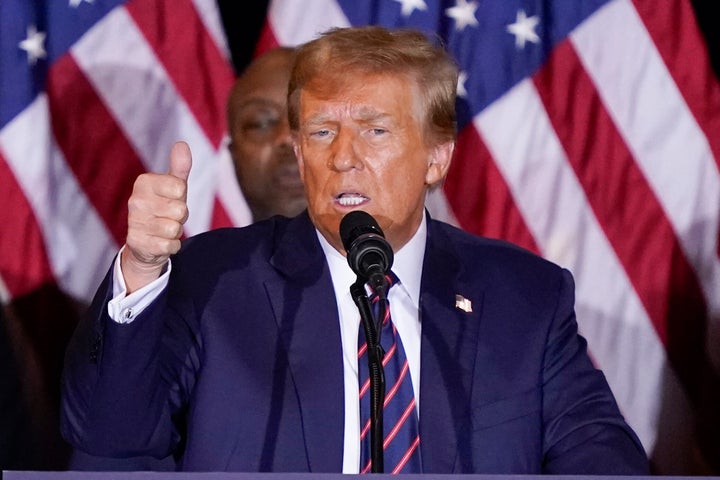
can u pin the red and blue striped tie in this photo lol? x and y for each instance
(401, 443)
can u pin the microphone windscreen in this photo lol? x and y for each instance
(355, 224)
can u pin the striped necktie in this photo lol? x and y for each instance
(400, 421)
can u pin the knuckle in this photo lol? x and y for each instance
(171, 229)
(134, 203)
(176, 187)
(170, 246)
(183, 212)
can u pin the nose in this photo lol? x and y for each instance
(344, 155)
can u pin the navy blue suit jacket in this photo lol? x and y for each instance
(238, 364)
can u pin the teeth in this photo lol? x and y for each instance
(350, 200)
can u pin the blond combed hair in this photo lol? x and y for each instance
(340, 53)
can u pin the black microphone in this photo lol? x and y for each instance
(370, 257)
(368, 253)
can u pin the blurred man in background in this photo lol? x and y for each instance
(261, 146)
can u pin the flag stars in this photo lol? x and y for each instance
(524, 29)
(463, 13)
(461, 90)
(409, 6)
(76, 3)
(34, 45)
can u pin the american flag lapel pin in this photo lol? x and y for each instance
(463, 303)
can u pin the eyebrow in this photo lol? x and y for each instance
(259, 102)
(362, 114)
(368, 115)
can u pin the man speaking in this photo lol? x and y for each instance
(243, 349)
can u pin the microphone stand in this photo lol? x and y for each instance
(377, 374)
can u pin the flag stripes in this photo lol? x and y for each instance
(615, 188)
(604, 160)
(598, 148)
(626, 208)
(87, 136)
(666, 141)
(540, 176)
(91, 95)
(685, 54)
(672, 151)
(76, 241)
(116, 101)
(28, 269)
(172, 28)
(479, 195)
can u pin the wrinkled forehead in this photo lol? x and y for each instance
(338, 79)
(339, 87)
(329, 81)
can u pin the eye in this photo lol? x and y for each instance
(379, 131)
(320, 133)
(260, 124)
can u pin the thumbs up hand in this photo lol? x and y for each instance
(157, 210)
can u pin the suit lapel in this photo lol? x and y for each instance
(448, 351)
(306, 312)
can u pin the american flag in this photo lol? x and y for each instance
(589, 132)
(93, 93)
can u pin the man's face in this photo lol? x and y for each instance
(261, 143)
(361, 146)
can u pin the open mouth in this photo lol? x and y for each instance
(351, 199)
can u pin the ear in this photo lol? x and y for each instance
(299, 156)
(439, 162)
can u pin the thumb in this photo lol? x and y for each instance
(180, 160)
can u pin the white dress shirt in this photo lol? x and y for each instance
(404, 308)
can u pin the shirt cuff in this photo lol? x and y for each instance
(124, 308)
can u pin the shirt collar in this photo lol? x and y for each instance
(407, 264)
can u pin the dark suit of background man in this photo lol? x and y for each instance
(19, 439)
(243, 354)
